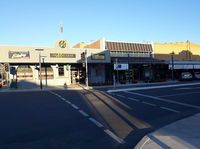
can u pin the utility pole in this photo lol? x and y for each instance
(116, 63)
(86, 68)
(40, 70)
(40, 65)
(172, 57)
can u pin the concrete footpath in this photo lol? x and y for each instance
(183, 134)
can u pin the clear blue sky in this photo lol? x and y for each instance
(36, 22)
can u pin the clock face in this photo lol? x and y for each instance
(62, 44)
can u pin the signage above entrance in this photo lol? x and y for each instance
(62, 55)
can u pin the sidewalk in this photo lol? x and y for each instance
(183, 134)
(44, 88)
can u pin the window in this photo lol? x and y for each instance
(61, 70)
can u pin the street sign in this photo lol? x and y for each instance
(120, 66)
(12, 70)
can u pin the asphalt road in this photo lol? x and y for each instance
(90, 118)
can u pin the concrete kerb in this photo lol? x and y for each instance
(152, 87)
(44, 89)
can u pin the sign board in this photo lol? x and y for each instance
(120, 66)
(185, 66)
(18, 55)
(12, 70)
(97, 56)
(62, 55)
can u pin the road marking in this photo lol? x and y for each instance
(68, 102)
(83, 113)
(147, 103)
(152, 87)
(95, 122)
(133, 99)
(179, 94)
(169, 109)
(120, 95)
(165, 100)
(63, 98)
(111, 134)
(74, 106)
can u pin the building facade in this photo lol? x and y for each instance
(106, 62)
(60, 65)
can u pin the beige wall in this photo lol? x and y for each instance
(34, 55)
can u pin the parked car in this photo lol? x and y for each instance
(1, 83)
(186, 76)
(197, 75)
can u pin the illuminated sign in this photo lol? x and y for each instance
(19, 55)
(62, 55)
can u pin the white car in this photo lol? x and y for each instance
(197, 75)
(186, 76)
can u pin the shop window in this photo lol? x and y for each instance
(61, 70)
(24, 72)
(47, 72)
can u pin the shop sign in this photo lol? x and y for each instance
(19, 55)
(62, 55)
(120, 66)
(97, 56)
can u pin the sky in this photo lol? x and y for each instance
(37, 22)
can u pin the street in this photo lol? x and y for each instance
(77, 119)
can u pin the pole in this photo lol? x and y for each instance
(117, 70)
(40, 70)
(129, 77)
(86, 68)
(114, 84)
(172, 54)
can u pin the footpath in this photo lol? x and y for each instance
(183, 134)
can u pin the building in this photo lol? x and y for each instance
(179, 56)
(105, 62)
(60, 65)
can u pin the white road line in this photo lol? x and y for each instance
(120, 95)
(63, 98)
(95, 122)
(111, 134)
(147, 103)
(83, 113)
(133, 99)
(165, 100)
(180, 94)
(172, 110)
(68, 102)
(74, 106)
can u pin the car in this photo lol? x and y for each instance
(1, 83)
(197, 75)
(186, 76)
